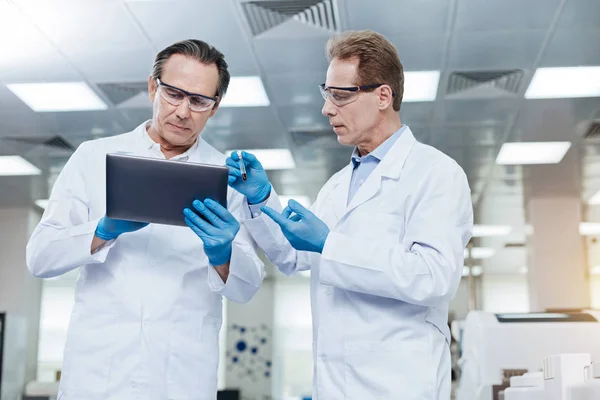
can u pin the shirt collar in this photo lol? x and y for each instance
(380, 151)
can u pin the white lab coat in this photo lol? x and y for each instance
(381, 289)
(147, 308)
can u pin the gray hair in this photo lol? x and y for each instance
(199, 51)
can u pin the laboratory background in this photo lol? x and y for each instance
(510, 89)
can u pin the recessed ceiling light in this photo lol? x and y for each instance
(521, 153)
(491, 230)
(272, 158)
(245, 91)
(564, 82)
(17, 166)
(420, 86)
(57, 97)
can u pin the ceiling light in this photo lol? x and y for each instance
(532, 153)
(17, 166)
(480, 252)
(476, 270)
(55, 97)
(491, 230)
(523, 270)
(564, 82)
(245, 91)
(303, 200)
(589, 228)
(42, 203)
(420, 86)
(595, 199)
(272, 158)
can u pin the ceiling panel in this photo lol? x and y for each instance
(414, 16)
(573, 47)
(199, 19)
(295, 89)
(66, 29)
(505, 14)
(580, 14)
(495, 49)
(287, 55)
(420, 52)
(115, 65)
(488, 112)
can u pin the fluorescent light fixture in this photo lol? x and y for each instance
(17, 166)
(476, 270)
(273, 158)
(523, 270)
(245, 91)
(520, 153)
(480, 252)
(420, 86)
(589, 228)
(55, 97)
(564, 82)
(595, 199)
(304, 200)
(491, 230)
(42, 203)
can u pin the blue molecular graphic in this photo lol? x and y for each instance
(244, 357)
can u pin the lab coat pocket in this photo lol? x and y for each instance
(87, 363)
(385, 371)
(194, 355)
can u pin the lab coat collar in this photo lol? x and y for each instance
(390, 167)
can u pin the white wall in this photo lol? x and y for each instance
(293, 363)
(505, 293)
(248, 357)
(19, 291)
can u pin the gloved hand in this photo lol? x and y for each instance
(303, 229)
(109, 228)
(217, 234)
(256, 187)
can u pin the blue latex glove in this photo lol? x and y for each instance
(217, 231)
(109, 229)
(256, 187)
(303, 229)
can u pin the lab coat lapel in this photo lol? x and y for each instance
(389, 167)
(339, 193)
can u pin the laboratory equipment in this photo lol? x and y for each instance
(497, 346)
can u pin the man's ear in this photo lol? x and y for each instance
(152, 88)
(386, 97)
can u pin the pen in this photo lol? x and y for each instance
(242, 166)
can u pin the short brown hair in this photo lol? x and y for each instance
(199, 51)
(378, 60)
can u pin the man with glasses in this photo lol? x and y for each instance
(148, 300)
(384, 240)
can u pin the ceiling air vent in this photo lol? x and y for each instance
(486, 83)
(265, 15)
(118, 93)
(592, 131)
(54, 142)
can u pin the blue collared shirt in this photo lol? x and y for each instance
(363, 166)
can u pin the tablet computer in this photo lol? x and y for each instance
(156, 190)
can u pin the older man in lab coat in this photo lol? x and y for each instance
(148, 299)
(384, 240)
